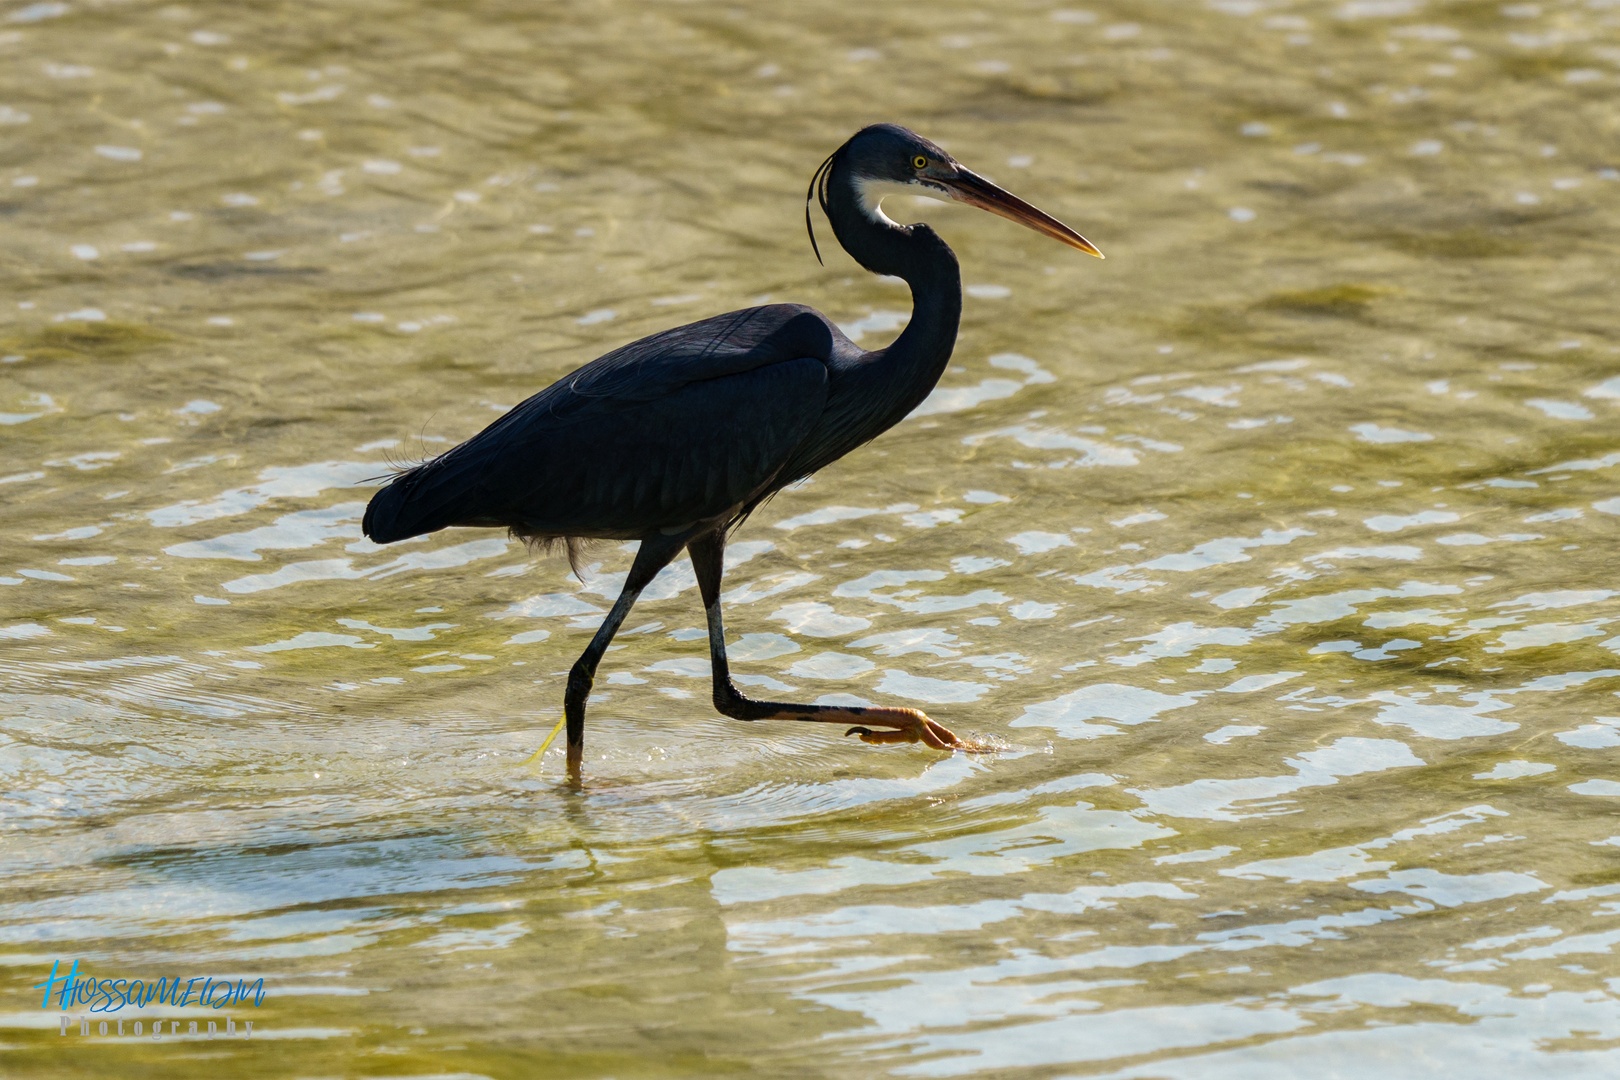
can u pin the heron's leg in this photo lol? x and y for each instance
(654, 555)
(907, 725)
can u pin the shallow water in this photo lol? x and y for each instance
(1277, 548)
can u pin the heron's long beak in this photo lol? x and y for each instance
(975, 190)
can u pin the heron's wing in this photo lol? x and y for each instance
(671, 429)
(655, 366)
(696, 453)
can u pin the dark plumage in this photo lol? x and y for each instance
(674, 439)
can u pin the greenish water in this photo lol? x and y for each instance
(1278, 548)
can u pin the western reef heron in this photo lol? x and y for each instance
(673, 440)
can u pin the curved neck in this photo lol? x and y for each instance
(916, 254)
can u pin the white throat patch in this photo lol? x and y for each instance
(873, 192)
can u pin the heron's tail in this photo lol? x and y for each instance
(412, 504)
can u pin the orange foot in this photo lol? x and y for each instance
(913, 725)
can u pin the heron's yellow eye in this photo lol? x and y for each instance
(919, 162)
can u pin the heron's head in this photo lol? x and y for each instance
(887, 159)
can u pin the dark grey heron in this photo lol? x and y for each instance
(673, 440)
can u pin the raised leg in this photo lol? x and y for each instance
(906, 725)
(654, 555)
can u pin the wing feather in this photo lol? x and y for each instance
(678, 427)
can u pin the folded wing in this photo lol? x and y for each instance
(678, 427)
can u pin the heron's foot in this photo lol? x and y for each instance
(910, 726)
(905, 725)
